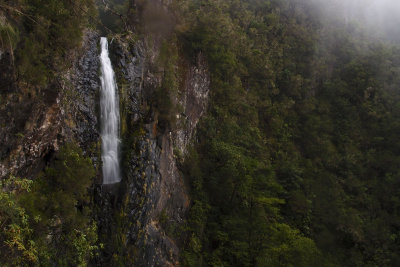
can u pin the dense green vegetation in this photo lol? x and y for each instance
(114, 15)
(297, 161)
(47, 222)
(39, 35)
(164, 97)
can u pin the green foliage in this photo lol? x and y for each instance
(47, 222)
(42, 33)
(65, 186)
(60, 198)
(17, 246)
(297, 156)
(113, 14)
(31, 62)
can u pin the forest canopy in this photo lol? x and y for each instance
(297, 162)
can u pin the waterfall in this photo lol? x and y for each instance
(109, 118)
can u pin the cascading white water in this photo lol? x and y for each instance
(109, 118)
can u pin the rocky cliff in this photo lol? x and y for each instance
(36, 121)
(152, 197)
(143, 213)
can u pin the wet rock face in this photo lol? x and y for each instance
(128, 62)
(155, 189)
(81, 100)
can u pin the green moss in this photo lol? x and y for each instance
(163, 217)
(178, 154)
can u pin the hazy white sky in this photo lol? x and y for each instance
(352, 8)
(380, 16)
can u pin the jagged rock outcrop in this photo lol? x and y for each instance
(28, 143)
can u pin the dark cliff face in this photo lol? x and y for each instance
(139, 219)
(152, 195)
(83, 97)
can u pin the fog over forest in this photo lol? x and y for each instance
(381, 18)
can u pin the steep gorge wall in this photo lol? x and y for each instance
(150, 203)
(152, 198)
(149, 206)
